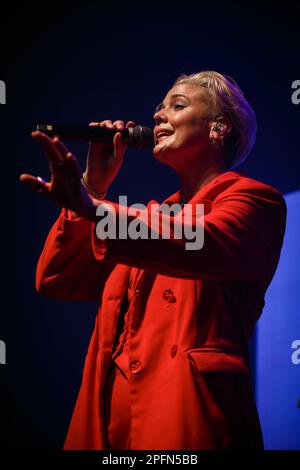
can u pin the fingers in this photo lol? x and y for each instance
(118, 124)
(53, 155)
(63, 163)
(60, 147)
(35, 183)
(57, 153)
(130, 124)
(118, 144)
(71, 165)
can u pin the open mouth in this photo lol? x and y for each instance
(161, 135)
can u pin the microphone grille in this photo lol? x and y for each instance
(141, 137)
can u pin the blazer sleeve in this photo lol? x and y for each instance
(67, 268)
(243, 235)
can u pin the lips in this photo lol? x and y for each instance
(162, 133)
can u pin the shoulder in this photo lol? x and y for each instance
(233, 184)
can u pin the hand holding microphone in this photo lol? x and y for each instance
(105, 156)
(104, 160)
(108, 142)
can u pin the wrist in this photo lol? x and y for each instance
(71, 215)
(94, 179)
(95, 193)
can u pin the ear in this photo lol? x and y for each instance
(220, 128)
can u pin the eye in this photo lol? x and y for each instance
(158, 108)
(178, 106)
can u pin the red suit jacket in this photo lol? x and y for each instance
(192, 317)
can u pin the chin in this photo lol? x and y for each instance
(160, 152)
(165, 155)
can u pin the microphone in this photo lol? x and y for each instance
(139, 137)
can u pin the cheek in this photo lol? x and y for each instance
(190, 124)
(193, 131)
(198, 125)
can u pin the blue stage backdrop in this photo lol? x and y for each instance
(278, 344)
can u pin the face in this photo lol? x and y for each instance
(181, 125)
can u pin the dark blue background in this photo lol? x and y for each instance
(81, 62)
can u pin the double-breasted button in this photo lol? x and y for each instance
(137, 292)
(135, 366)
(169, 296)
(173, 351)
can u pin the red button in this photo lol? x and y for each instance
(173, 351)
(169, 296)
(135, 367)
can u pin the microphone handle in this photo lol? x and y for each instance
(138, 136)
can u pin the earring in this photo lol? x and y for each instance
(219, 127)
(216, 143)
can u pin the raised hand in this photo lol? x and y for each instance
(64, 187)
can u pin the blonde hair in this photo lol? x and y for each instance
(226, 98)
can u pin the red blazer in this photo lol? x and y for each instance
(193, 315)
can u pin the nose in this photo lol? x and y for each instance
(160, 116)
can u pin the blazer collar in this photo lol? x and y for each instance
(208, 191)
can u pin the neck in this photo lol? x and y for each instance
(191, 182)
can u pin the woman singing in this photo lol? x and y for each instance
(167, 366)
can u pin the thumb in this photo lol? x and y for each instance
(35, 183)
(119, 146)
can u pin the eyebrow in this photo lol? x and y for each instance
(161, 105)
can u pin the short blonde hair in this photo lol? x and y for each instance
(226, 98)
